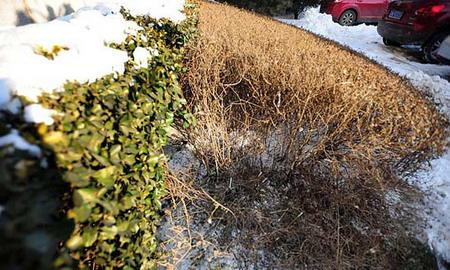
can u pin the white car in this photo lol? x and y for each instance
(444, 50)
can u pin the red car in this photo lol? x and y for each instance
(350, 12)
(417, 22)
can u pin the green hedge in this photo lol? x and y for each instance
(107, 145)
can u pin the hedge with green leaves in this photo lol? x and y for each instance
(107, 146)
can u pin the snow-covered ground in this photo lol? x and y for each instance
(14, 12)
(428, 78)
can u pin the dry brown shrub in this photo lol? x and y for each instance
(322, 132)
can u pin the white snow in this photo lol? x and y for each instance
(41, 10)
(141, 57)
(40, 58)
(434, 182)
(436, 86)
(158, 9)
(84, 37)
(35, 113)
(13, 138)
(5, 93)
(85, 56)
(14, 106)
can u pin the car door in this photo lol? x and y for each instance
(380, 9)
(372, 10)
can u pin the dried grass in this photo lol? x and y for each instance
(322, 132)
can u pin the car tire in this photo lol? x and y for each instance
(390, 43)
(429, 49)
(348, 18)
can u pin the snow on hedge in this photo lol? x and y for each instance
(42, 57)
(434, 182)
(13, 138)
(157, 9)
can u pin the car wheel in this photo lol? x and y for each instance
(431, 47)
(391, 43)
(348, 18)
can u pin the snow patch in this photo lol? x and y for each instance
(35, 113)
(435, 183)
(86, 56)
(438, 88)
(13, 138)
(84, 35)
(158, 9)
(5, 93)
(141, 57)
(14, 106)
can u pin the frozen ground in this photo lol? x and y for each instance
(430, 79)
(201, 234)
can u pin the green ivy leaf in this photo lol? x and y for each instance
(108, 233)
(80, 214)
(75, 242)
(84, 195)
(106, 176)
(89, 236)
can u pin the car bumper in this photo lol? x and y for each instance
(401, 33)
(331, 9)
